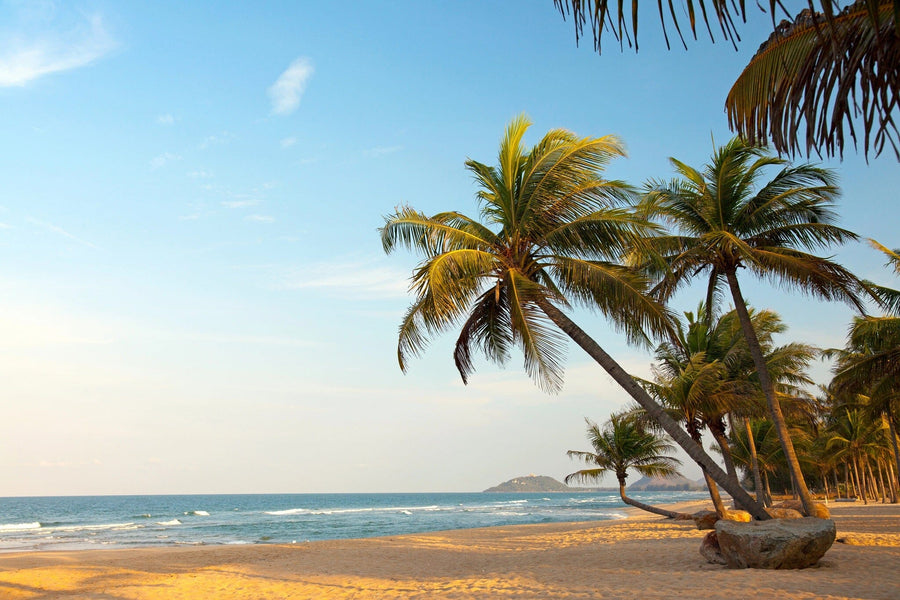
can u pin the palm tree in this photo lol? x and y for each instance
(869, 364)
(724, 222)
(818, 69)
(620, 445)
(552, 232)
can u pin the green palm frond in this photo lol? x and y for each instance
(543, 209)
(813, 76)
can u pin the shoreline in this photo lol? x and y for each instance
(638, 556)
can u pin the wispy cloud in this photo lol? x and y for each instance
(382, 150)
(165, 119)
(240, 203)
(287, 90)
(260, 218)
(58, 231)
(288, 142)
(216, 140)
(200, 174)
(361, 278)
(163, 159)
(24, 60)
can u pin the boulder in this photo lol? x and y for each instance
(705, 519)
(709, 549)
(775, 544)
(784, 513)
(741, 516)
(821, 511)
(792, 504)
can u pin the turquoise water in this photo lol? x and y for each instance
(58, 523)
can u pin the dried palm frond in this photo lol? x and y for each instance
(815, 76)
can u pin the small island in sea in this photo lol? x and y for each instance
(539, 484)
(544, 484)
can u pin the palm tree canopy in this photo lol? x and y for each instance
(622, 444)
(552, 229)
(815, 75)
(726, 217)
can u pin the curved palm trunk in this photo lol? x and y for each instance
(651, 509)
(754, 463)
(653, 409)
(710, 484)
(787, 445)
(722, 440)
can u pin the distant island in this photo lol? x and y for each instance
(676, 483)
(543, 484)
(538, 484)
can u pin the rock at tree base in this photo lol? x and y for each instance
(709, 549)
(706, 519)
(784, 513)
(775, 544)
(821, 511)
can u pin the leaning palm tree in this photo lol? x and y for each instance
(622, 444)
(724, 221)
(552, 233)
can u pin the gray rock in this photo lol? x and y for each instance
(709, 549)
(775, 544)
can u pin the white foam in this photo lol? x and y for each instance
(19, 526)
(290, 511)
(114, 526)
(201, 513)
(172, 522)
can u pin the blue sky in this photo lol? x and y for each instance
(193, 295)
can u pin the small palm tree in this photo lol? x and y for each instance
(622, 444)
(725, 221)
(552, 232)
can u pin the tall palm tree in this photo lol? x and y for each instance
(725, 221)
(622, 444)
(869, 364)
(816, 74)
(552, 232)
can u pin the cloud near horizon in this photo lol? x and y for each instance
(24, 60)
(287, 90)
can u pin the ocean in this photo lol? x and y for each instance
(81, 522)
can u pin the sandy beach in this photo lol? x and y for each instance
(638, 557)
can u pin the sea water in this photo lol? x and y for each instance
(68, 522)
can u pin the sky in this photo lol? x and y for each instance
(193, 293)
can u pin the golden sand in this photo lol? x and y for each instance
(639, 557)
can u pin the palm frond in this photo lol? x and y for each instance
(814, 76)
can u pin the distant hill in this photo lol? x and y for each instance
(665, 484)
(536, 483)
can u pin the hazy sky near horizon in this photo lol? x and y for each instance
(193, 294)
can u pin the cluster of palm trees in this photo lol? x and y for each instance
(555, 234)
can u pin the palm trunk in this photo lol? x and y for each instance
(754, 462)
(651, 509)
(837, 485)
(893, 480)
(710, 484)
(768, 490)
(892, 428)
(721, 439)
(860, 485)
(881, 487)
(768, 387)
(654, 410)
